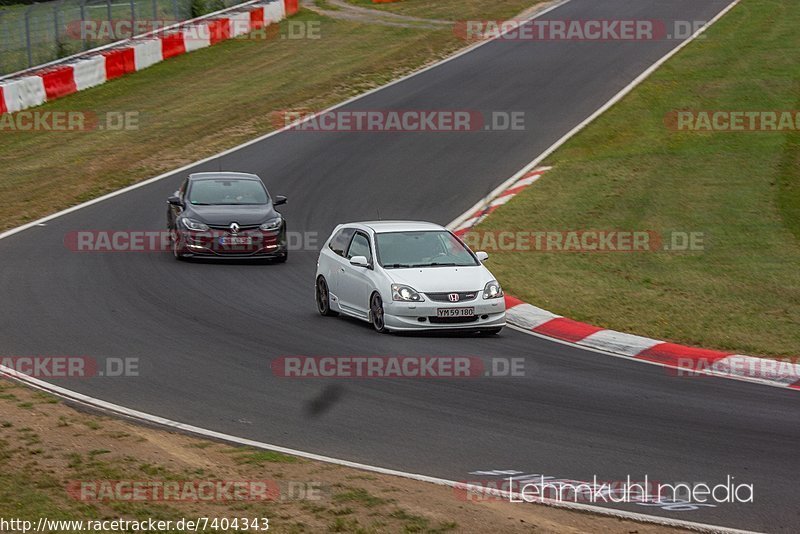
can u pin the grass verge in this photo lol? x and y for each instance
(47, 449)
(195, 105)
(628, 171)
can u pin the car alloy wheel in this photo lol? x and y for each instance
(376, 313)
(323, 298)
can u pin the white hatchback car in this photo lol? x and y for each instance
(406, 275)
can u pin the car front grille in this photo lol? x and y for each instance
(227, 227)
(452, 320)
(463, 296)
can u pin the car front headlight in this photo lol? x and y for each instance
(193, 225)
(271, 225)
(405, 293)
(492, 290)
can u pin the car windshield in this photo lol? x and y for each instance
(437, 248)
(227, 192)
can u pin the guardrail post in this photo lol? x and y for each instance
(108, 10)
(28, 34)
(56, 36)
(133, 14)
(2, 14)
(84, 41)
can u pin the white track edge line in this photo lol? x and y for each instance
(605, 107)
(231, 150)
(211, 434)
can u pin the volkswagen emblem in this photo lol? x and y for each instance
(453, 297)
(234, 228)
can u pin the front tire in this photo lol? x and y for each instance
(376, 313)
(323, 298)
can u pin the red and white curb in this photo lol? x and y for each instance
(34, 87)
(686, 361)
(476, 216)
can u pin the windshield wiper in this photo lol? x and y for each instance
(396, 266)
(444, 264)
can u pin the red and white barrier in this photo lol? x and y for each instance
(89, 72)
(22, 93)
(146, 53)
(172, 44)
(98, 66)
(274, 12)
(240, 23)
(59, 81)
(119, 61)
(197, 36)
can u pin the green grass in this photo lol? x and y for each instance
(195, 105)
(447, 9)
(629, 171)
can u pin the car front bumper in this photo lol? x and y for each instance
(423, 315)
(263, 245)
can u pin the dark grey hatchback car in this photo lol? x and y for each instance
(226, 215)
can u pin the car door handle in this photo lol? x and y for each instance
(341, 269)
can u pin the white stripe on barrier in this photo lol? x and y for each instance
(25, 92)
(146, 52)
(618, 342)
(240, 23)
(196, 36)
(274, 12)
(89, 72)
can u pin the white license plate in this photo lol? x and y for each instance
(455, 312)
(236, 240)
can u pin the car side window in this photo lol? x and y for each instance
(359, 247)
(340, 241)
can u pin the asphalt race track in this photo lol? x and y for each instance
(205, 333)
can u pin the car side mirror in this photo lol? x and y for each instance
(175, 200)
(482, 256)
(359, 261)
(279, 200)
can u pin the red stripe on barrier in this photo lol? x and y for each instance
(119, 61)
(219, 30)
(512, 301)
(291, 7)
(566, 329)
(172, 44)
(257, 18)
(796, 385)
(674, 354)
(58, 82)
(3, 107)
